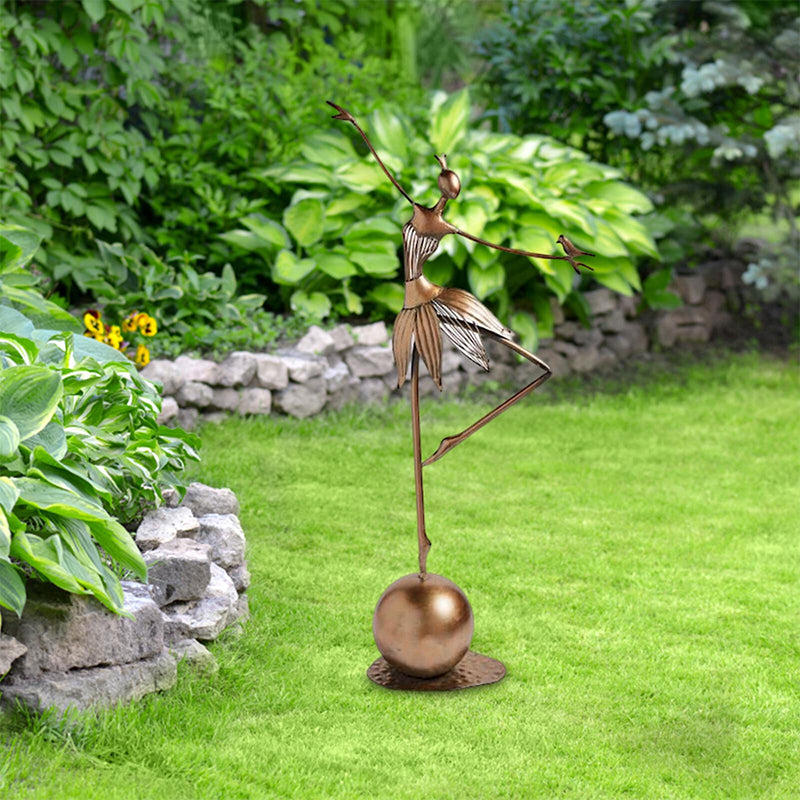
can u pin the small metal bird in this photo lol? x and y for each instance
(428, 310)
(573, 253)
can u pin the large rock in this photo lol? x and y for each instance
(201, 500)
(163, 525)
(687, 324)
(559, 365)
(199, 370)
(302, 368)
(316, 342)
(187, 418)
(585, 359)
(169, 410)
(11, 650)
(238, 369)
(240, 576)
(178, 570)
(336, 377)
(302, 399)
(369, 362)
(195, 394)
(206, 618)
(66, 631)
(100, 686)
(345, 395)
(691, 288)
(342, 338)
(613, 322)
(166, 373)
(372, 391)
(601, 301)
(224, 399)
(575, 332)
(255, 401)
(223, 534)
(631, 340)
(271, 372)
(370, 335)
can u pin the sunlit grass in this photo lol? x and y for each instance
(631, 555)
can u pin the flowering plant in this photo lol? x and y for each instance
(135, 324)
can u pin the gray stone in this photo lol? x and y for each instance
(586, 359)
(170, 497)
(601, 301)
(195, 655)
(187, 418)
(10, 651)
(558, 311)
(224, 535)
(201, 500)
(714, 302)
(241, 612)
(453, 382)
(370, 335)
(169, 410)
(575, 332)
(302, 368)
(498, 353)
(66, 631)
(367, 362)
(195, 394)
(606, 357)
(178, 570)
(101, 686)
(336, 377)
(215, 417)
(347, 395)
(629, 305)
(566, 349)
(206, 618)
(372, 391)
(197, 370)
(255, 401)
(317, 342)
(238, 369)
(691, 288)
(427, 388)
(613, 322)
(342, 338)
(271, 372)
(164, 524)
(499, 373)
(557, 363)
(240, 576)
(302, 399)
(166, 373)
(686, 324)
(631, 340)
(224, 399)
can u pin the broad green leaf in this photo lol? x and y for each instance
(246, 240)
(12, 589)
(449, 122)
(387, 133)
(485, 282)
(42, 310)
(96, 9)
(9, 437)
(560, 282)
(525, 325)
(304, 221)
(328, 149)
(298, 173)
(541, 219)
(362, 176)
(269, 230)
(315, 305)
(19, 349)
(39, 494)
(11, 321)
(572, 215)
(8, 493)
(623, 197)
(657, 281)
(29, 396)
(334, 264)
(46, 557)
(351, 299)
(635, 235)
(388, 294)
(345, 203)
(103, 353)
(615, 281)
(119, 544)
(288, 269)
(544, 314)
(18, 246)
(376, 262)
(536, 240)
(5, 534)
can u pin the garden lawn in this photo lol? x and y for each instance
(629, 553)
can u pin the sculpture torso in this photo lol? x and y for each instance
(421, 237)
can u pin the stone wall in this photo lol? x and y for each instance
(328, 369)
(68, 651)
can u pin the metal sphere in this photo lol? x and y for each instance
(423, 626)
(449, 184)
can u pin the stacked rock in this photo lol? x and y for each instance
(68, 651)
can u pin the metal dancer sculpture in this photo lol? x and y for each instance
(423, 625)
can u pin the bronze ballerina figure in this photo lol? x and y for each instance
(429, 309)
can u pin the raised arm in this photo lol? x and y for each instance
(348, 117)
(570, 249)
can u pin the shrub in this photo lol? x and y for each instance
(81, 452)
(337, 249)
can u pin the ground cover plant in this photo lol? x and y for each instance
(638, 578)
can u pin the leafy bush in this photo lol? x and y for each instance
(337, 248)
(81, 453)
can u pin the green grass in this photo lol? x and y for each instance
(630, 553)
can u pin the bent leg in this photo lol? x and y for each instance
(449, 442)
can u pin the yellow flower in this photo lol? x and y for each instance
(130, 322)
(148, 326)
(91, 319)
(142, 356)
(114, 337)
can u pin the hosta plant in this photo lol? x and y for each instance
(336, 247)
(81, 453)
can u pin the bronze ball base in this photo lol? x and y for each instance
(473, 670)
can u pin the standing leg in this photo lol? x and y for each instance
(422, 538)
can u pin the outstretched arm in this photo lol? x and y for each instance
(348, 117)
(569, 257)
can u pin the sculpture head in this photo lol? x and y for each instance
(449, 182)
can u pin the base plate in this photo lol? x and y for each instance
(473, 670)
